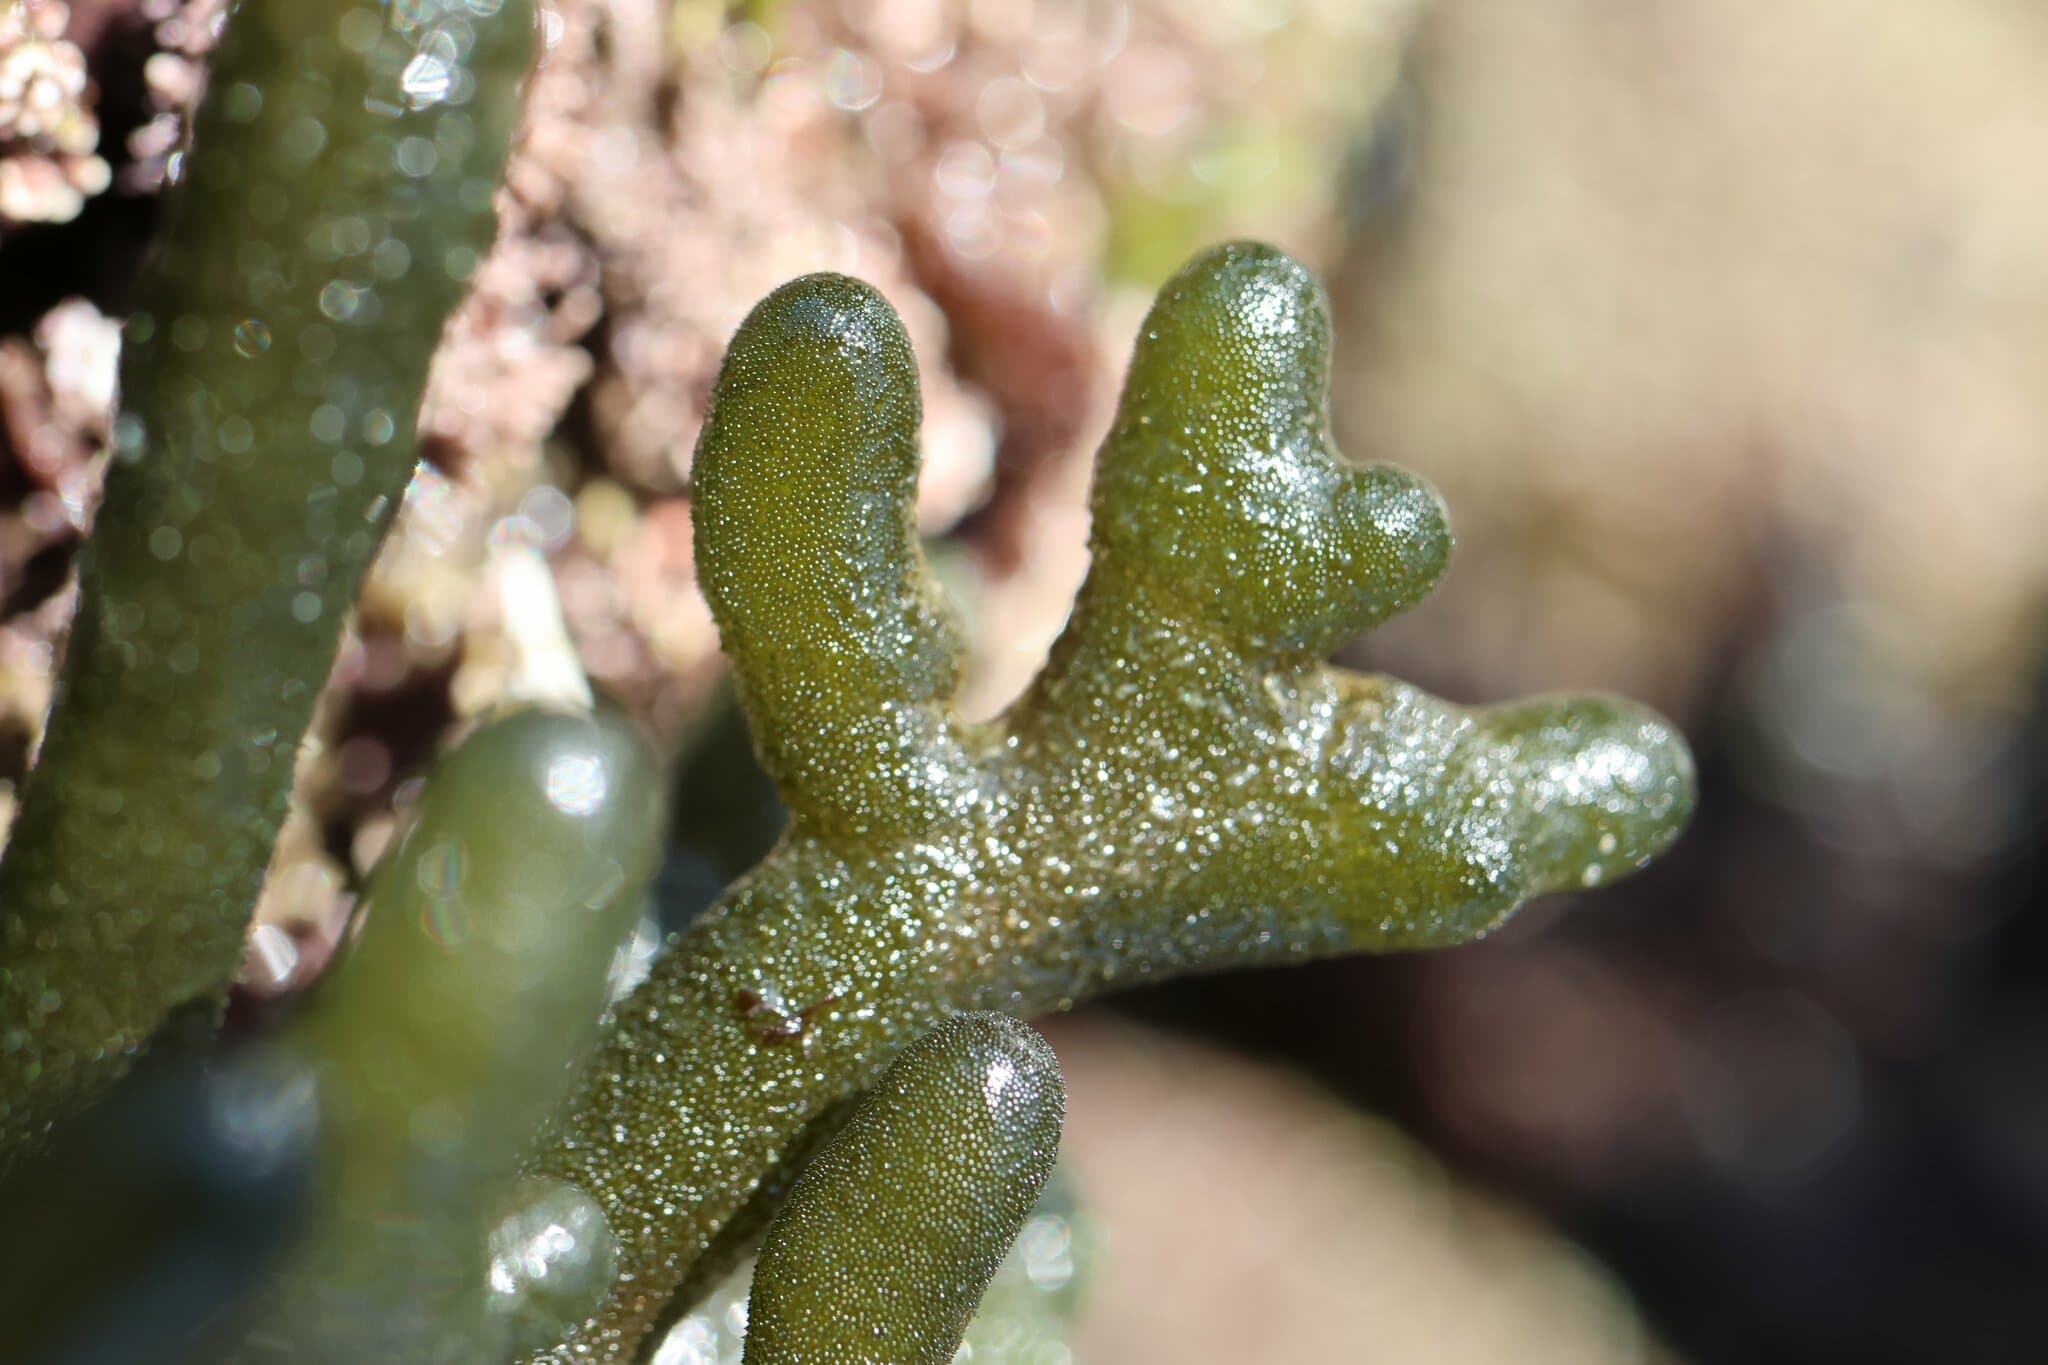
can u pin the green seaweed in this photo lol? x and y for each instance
(451, 1030)
(337, 198)
(890, 1236)
(1187, 786)
(148, 1217)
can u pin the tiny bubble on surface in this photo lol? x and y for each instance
(252, 337)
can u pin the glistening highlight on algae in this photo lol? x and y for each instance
(1188, 785)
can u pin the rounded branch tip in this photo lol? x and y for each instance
(1220, 487)
(1603, 785)
(829, 329)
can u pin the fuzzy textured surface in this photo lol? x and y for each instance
(336, 203)
(891, 1235)
(1187, 786)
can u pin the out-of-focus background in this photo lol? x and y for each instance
(1721, 324)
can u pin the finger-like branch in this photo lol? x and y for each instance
(1186, 788)
(1221, 497)
(803, 491)
(270, 380)
(890, 1236)
(450, 1030)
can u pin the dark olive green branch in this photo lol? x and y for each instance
(450, 1031)
(1187, 787)
(335, 201)
(890, 1236)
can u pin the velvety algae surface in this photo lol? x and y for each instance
(1186, 787)
(335, 200)
(891, 1234)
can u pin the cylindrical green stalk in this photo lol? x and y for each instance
(336, 199)
(452, 1029)
(889, 1237)
(834, 622)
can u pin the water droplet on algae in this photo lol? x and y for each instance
(303, 139)
(440, 869)
(252, 337)
(577, 783)
(416, 156)
(359, 28)
(444, 920)
(553, 1256)
(339, 299)
(242, 102)
(328, 423)
(426, 80)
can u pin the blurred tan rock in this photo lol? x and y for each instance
(1248, 1217)
(174, 77)
(49, 138)
(1706, 310)
(56, 392)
